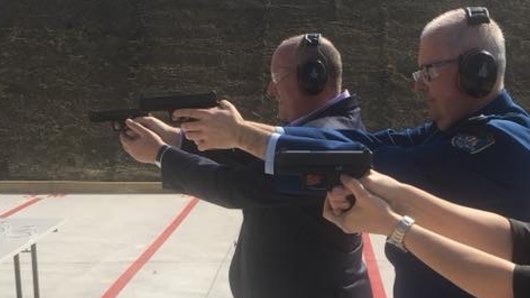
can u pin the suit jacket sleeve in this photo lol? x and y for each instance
(227, 157)
(224, 185)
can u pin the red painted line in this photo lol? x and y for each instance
(378, 289)
(122, 281)
(31, 200)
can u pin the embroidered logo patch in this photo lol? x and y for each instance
(472, 143)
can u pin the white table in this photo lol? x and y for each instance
(24, 233)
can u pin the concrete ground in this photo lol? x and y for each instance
(137, 245)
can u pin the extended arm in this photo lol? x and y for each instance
(478, 272)
(224, 128)
(484, 230)
(228, 186)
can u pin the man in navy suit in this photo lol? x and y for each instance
(285, 247)
(475, 152)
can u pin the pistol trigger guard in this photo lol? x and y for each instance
(351, 199)
(116, 126)
(180, 120)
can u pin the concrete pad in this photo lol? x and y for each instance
(105, 234)
(189, 263)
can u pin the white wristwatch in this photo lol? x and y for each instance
(398, 235)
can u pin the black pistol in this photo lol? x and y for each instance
(115, 117)
(171, 103)
(321, 170)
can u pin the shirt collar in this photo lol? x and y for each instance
(343, 95)
(502, 104)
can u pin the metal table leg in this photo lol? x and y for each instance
(18, 282)
(35, 270)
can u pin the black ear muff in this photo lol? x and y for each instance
(477, 68)
(312, 72)
(312, 76)
(477, 73)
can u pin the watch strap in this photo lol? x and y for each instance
(398, 235)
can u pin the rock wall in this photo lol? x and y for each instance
(61, 58)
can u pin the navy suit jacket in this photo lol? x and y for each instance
(482, 162)
(285, 247)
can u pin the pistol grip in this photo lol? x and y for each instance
(335, 180)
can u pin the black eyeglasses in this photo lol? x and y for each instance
(428, 72)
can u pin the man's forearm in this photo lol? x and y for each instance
(253, 138)
(263, 126)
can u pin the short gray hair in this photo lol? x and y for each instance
(330, 53)
(462, 37)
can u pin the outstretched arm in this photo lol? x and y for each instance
(477, 272)
(225, 128)
(480, 229)
(228, 186)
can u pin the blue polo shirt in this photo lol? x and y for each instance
(482, 162)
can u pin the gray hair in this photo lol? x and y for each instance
(327, 50)
(461, 37)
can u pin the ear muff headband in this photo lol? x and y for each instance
(312, 72)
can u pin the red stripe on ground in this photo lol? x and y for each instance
(373, 271)
(122, 281)
(31, 201)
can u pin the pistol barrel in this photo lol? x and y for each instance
(174, 102)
